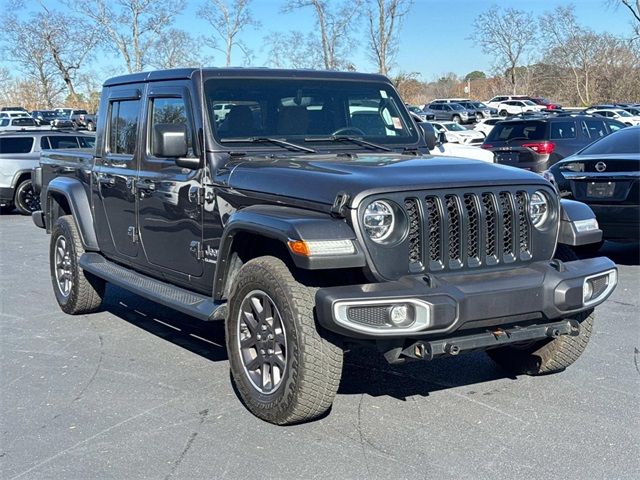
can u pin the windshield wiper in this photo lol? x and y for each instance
(275, 141)
(347, 138)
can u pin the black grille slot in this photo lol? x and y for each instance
(523, 223)
(473, 227)
(433, 224)
(490, 225)
(507, 223)
(374, 316)
(415, 237)
(453, 227)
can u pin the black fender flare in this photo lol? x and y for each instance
(74, 192)
(572, 211)
(284, 224)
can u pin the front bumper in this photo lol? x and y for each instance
(541, 292)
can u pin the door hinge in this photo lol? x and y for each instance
(201, 195)
(195, 248)
(133, 234)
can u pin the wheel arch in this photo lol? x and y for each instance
(265, 230)
(67, 196)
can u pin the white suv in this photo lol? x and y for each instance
(618, 114)
(498, 99)
(516, 107)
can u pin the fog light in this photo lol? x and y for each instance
(597, 287)
(401, 315)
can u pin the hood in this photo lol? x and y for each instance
(319, 178)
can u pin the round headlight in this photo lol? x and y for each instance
(379, 220)
(538, 209)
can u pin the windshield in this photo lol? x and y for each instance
(623, 113)
(528, 102)
(454, 127)
(306, 110)
(479, 105)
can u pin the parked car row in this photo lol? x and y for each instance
(20, 153)
(57, 118)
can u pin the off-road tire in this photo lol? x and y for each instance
(87, 290)
(549, 355)
(25, 199)
(313, 364)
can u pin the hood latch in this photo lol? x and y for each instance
(339, 207)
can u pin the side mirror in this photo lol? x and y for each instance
(442, 136)
(429, 134)
(170, 141)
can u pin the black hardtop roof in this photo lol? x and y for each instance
(187, 73)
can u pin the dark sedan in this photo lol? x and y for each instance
(51, 117)
(606, 176)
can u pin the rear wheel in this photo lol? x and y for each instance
(76, 291)
(26, 199)
(284, 368)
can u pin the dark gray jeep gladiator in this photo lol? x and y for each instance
(304, 210)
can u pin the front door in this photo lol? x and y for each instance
(169, 197)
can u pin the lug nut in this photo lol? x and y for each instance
(261, 351)
(270, 351)
(259, 337)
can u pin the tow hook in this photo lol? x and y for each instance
(452, 349)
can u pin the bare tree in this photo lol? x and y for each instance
(173, 49)
(22, 45)
(130, 27)
(334, 25)
(385, 19)
(228, 20)
(634, 9)
(292, 50)
(507, 35)
(55, 29)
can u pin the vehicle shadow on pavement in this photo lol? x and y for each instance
(367, 372)
(202, 338)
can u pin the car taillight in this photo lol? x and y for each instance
(486, 146)
(541, 147)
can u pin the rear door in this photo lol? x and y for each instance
(169, 197)
(116, 167)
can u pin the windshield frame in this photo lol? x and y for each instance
(411, 141)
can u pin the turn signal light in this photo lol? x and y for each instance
(541, 147)
(486, 146)
(322, 247)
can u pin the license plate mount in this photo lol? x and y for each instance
(601, 189)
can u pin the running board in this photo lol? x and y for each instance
(185, 301)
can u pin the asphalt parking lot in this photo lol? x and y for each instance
(139, 391)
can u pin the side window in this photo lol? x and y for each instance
(563, 130)
(172, 111)
(16, 144)
(596, 127)
(614, 126)
(59, 141)
(86, 141)
(123, 126)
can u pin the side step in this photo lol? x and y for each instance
(194, 304)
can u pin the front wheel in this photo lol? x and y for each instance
(549, 355)
(285, 370)
(26, 199)
(503, 113)
(457, 119)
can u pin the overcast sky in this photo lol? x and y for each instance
(434, 37)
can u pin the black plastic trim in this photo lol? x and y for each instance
(73, 190)
(461, 299)
(572, 211)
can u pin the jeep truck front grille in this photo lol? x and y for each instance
(451, 231)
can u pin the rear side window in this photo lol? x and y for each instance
(626, 140)
(595, 127)
(86, 142)
(56, 142)
(123, 126)
(507, 131)
(16, 144)
(562, 130)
